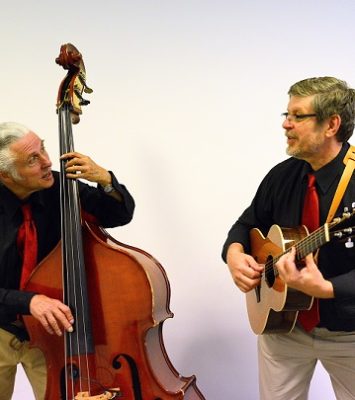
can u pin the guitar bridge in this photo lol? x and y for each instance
(257, 293)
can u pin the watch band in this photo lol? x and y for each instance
(108, 188)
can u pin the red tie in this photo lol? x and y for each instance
(27, 244)
(310, 217)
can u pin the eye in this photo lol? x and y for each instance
(32, 160)
(299, 117)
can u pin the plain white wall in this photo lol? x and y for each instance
(186, 110)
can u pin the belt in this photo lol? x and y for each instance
(18, 329)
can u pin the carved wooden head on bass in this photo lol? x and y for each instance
(74, 84)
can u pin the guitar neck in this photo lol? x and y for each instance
(312, 242)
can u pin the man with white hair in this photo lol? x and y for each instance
(26, 177)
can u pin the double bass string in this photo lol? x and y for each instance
(63, 210)
(68, 348)
(76, 343)
(73, 284)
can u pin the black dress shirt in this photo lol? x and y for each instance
(46, 213)
(279, 200)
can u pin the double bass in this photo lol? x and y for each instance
(119, 294)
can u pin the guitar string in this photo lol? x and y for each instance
(307, 244)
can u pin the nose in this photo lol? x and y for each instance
(287, 124)
(45, 160)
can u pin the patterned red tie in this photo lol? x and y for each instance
(310, 217)
(27, 244)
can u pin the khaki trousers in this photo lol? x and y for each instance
(14, 352)
(287, 363)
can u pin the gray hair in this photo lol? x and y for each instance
(332, 96)
(10, 132)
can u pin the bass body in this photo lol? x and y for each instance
(129, 359)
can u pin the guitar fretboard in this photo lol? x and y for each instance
(305, 246)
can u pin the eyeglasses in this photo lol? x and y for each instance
(297, 117)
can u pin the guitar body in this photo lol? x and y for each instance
(272, 306)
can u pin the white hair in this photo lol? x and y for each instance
(10, 132)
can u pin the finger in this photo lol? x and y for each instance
(293, 252)
(52, 322)
(290, 254)
(56, 322)
(286, 266)
(252, 274)
(246, 287)
(71, 154)
(288, 258)
(68, 316)
(258, 268)
(242, 286)
(281, 266)
(309, 258)
(252, 263)
(76, 168)
(76, 162)
(46, 325)
(245, 283)
(71, 175)
(62, 314)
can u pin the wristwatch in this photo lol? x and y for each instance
(108, 188)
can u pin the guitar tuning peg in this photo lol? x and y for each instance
(346, 213)
(349, 243)
(353, 206)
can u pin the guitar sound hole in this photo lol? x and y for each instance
(270, 272)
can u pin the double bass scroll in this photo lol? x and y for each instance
(119, 295)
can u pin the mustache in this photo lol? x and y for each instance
(47, 172)
(290, 135)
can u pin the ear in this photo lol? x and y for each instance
(333, 125)
(4, 177)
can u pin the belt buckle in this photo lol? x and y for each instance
(16, 344)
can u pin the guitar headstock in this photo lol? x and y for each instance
(345, 234)
(74, 84)
(347, 214)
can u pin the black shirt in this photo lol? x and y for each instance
(46, 213)
(279, 200)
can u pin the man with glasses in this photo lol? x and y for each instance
(318, 124)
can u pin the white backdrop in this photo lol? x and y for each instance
(185, 109)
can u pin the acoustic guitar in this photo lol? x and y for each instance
(273, 306)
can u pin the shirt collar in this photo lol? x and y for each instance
(10, 203)
(326, 175)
